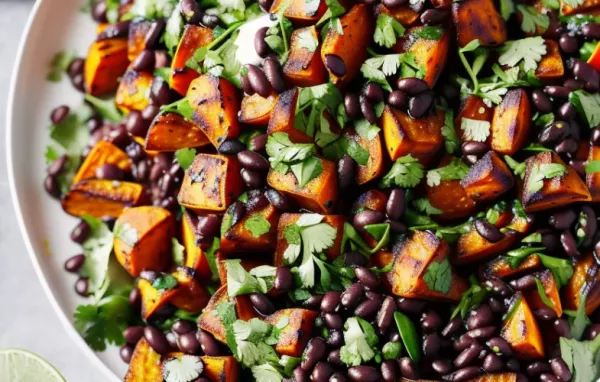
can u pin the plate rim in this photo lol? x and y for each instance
(10, 105)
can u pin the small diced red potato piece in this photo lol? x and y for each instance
(522, 332)
(304, 67)
(211, 183)
(297, 333)
(216, 104)
(144, 365)
(319, 195)
(133, 92)
(550, 288)
(429, 54)
(350, 47)
(478, 20)
(582, 282)
(551, 65)
(102, 153)
(474, 108)
(592, 180)
(195, 256)
(247, 264)
(105, 63)
(421, 138)
(556, 192)
(256, 110)
(102, 198)
(500, 267)
(283, 115)
(170, 132)
(511, 122)
(295, 10)
(239, 238)
(404, 14)
(194, 37)
(148, 232)
(375, 167)
(286, 220)
(588, 6)
(411, 265)
(488, 178)
(138, 30)
(372, 199)
(450, 197)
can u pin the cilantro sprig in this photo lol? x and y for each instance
(387, 31)
(360, 341)
(406, 172)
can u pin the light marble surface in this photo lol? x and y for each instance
(26, 318)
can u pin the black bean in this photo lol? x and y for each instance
(156, 339)
(59, 114)
(78, 82)
(183, 326)
(210, 21)
(554, 132)
(352, 296)
(274, 74)
(152, 37)
(57, 166)
(569, 244)
(396, 204)
(555, 91)
(408, 369)
(265, 5)
(313, 302)
(524, 283)
(385, 316)
(567, 111)
(364, 374)
(74, 263)
(591, 31)
(120, 29)
(76, 67)
(262, 304)
(574, 130)
(367, 309)
(587, 226)
(145, 61)
(333, 321)
(547, 377)
(389, 371)
(537, 368)
(283, 280)
(367, 109)
(334, 357)
(496, 305)
(434, 16)
(412, 86)
(99, 11)
(331, 301)
(545, 313)
(442, 366)
(410, 305)
(135, 298)
(560, 369)
(336, 65)
(172, 338)
(541, 101)
(593, 331)
(258, 142)
(431, 345)
(346, 170)
(191, 11)
(586, 72)
(278, 200)
(188, 343)
(420, 104)
(467, 356)
(126, 352)
(393, 3)
(51, 186)
(208, 343)
(480, 317)
(367, 217)
(367, 277)
(162, 59)
(259, 81)
(398, 99)
(321, 372)
(373, 92)
(253, 161)
(431, 321)
(492, 363)
(451, 328)
(478, 149)
(394, 336)
(373, 295)
(561, 327)
(261, 47)
(464, 374)
(338, 377)
(135, 124)
(573, 84)
(568, 146)
(231, 147)
(252, 179)
(352, 106)
(81, 232)
(335, 339)
(315, 351)
(568, 43)
(488, 231)
(109, 171)
(81, 286)
(160, 93)
(246, 85)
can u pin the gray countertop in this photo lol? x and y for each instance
(26, 318)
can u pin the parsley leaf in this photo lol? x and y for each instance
(359, 339)
(97, 250)
(530, 50)
(258, 225)
(535, 179)
(406, 172)
(103, 323)
(387, 30)
(185, 157)
(587, 106)
(281, 150)
(532, 18)
(59, 65)
(164, 282)
(475, 130)
(438, 276)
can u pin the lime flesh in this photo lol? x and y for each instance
(17, 365)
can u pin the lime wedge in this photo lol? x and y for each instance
(17, 365)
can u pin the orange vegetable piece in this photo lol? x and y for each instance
(144, 365)
(451, 198)
(304, 67)
(594, 59)
(583, 281)
(592, 181)
(283, 115)
(404, 14)
(216, 369)
(500, 268)
(472, 107)
(478, 20)
(296, 11)
(103, 152)
(522, 332)
(372, 199)
(375, 166)
(551, 65)
(138, 29)
(488, 178)
(170, 132)
(511, 123)
(246, 263)
(133, 92)
(239, 238)
(503, 377)
(195, 256)
(550, 288)
(256, 110)
(193, 37)
(588, 6)
(297, 333)
(105, 63)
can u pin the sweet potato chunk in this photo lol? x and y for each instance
(257, 110)
(521, 330)
(318, 195)
(105, 63)
(350, 47)
(304, 67)
(216, 369)
(286, 220)
(556, 192)
(295, 335)
(511, 122)
(489, 178)
(585, 280)
(296, 11)
(246, 263)
(472, 107)
(375, 166)
(588, 6)
(210, 183)
(103, 152)
(478, 20)
(592, 181)
(283, 115)
(211, 323)
(195, 257)
(421, 138)
(170, 132)
(143, 239)
(503, 377)
(429, 54)
(404, 14)
(500, 267)
(551, 65)
(373, 199)
(138, 29)
(251, 233)
(144, 365)
(102, 198)
(194, 37)
(216, 106)
(550, 288)
(450, 197)
(133, 92)
(411, 267)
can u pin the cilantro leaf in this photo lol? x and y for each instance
(225, 310)
(365, 129)
(592, 167)
(455, 170)
(258, 225)
(165, 281)
(431, 32)
(581, 357)
(438, 276)
(153, 9)
(185, 157)
(535, 179)
(587, 106)
(578, 320)
(507, 8)
(181, 107)
(424, 205)
(126, 233)
(97, 250)
(266, 373)
(103, 323)
(281, 150)
(376, 69)
(240, 282)
(59, 65)
(359, 338)
(210, 258)
(530, 50)
(387, 30)
(173, 30)
(574, 3)
(406, 172)
(307, 170)
(451, 141)
(475, 130)
(307, 41)
(532, 18)
(72, 133)
(50, 155)
(106, 108)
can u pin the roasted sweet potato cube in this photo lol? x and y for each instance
(429, 54)
(557, 191)
(503, 377)
(412, 264)
(102, 153)
(350, 47)
(550, 288)
(102, 198)
(152, 298)
(194, 37)
(189, 294)
(283, 115)
(319, 195)
(138, 29)
(133, 92)
(144, 365)
(585, 280)
(195, 256)
(473, 247)
(210, 322)
(216, 369)
(474, 108)
(256, 110)
(404, 14)
(478, 20)
(421, 138)
(170, 132)
(304, 67)
(588, 6)
(500, 267)
(286, 220)
(105, 63)
(143, 239)
(295, 336)
(247, 264)
(216, 104)
(551, 65)
(521, 330)
(511, 122)
(592, 181)
(444, 4)
(375, 166)
(211, 183)
(296, 11)
(489, 178)
(255, 232)
(450, 197)
(373, 199)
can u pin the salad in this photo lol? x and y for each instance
(334, 190)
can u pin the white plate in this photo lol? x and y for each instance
(54, 25)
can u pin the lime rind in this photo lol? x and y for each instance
(18, 365)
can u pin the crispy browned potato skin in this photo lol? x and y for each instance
(375, 167)
(282, 117)
(102, 198)
(304, 68)
(478, 20)
(522, 332)
(511, 122)
(170, 132)
(551, 65)
(588, 7)
(404, 14)
(296, 11)
(105, 63)
(256, 110)
(155, 227)
(556, 192)
(488, 178)
(103, 152)
(133, 92)
(297, 333)
(500, 268)
(472, 107)
(582, 281)
(550, 288)
(138, 30)
(194, 37)
(592, 180)
(351, 47)
(240, 239)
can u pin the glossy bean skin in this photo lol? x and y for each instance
(408, 369)
(352, 296)
(156, 339)
(412, 86)
(396, 204)
(259, 81)
(315, 351)
(274, 74)
(331, 301)
(262, 304)
(363, 374)
(74, 263)
(346, 170)
(261, 47)
(208, 344)
(335, 64)
(419, 105)
(386, 315)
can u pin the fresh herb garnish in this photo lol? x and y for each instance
(528, 50)
(587, 106)
(475, 130)
(59, 65)
(406, 172)
(409, 336)
(532, 19)
(165, 281)
(539, 172)
(97, 250)
(387, 31)
(178, 252)
(185, 157)
(360, 340)
(258, 225)
(455, 170)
